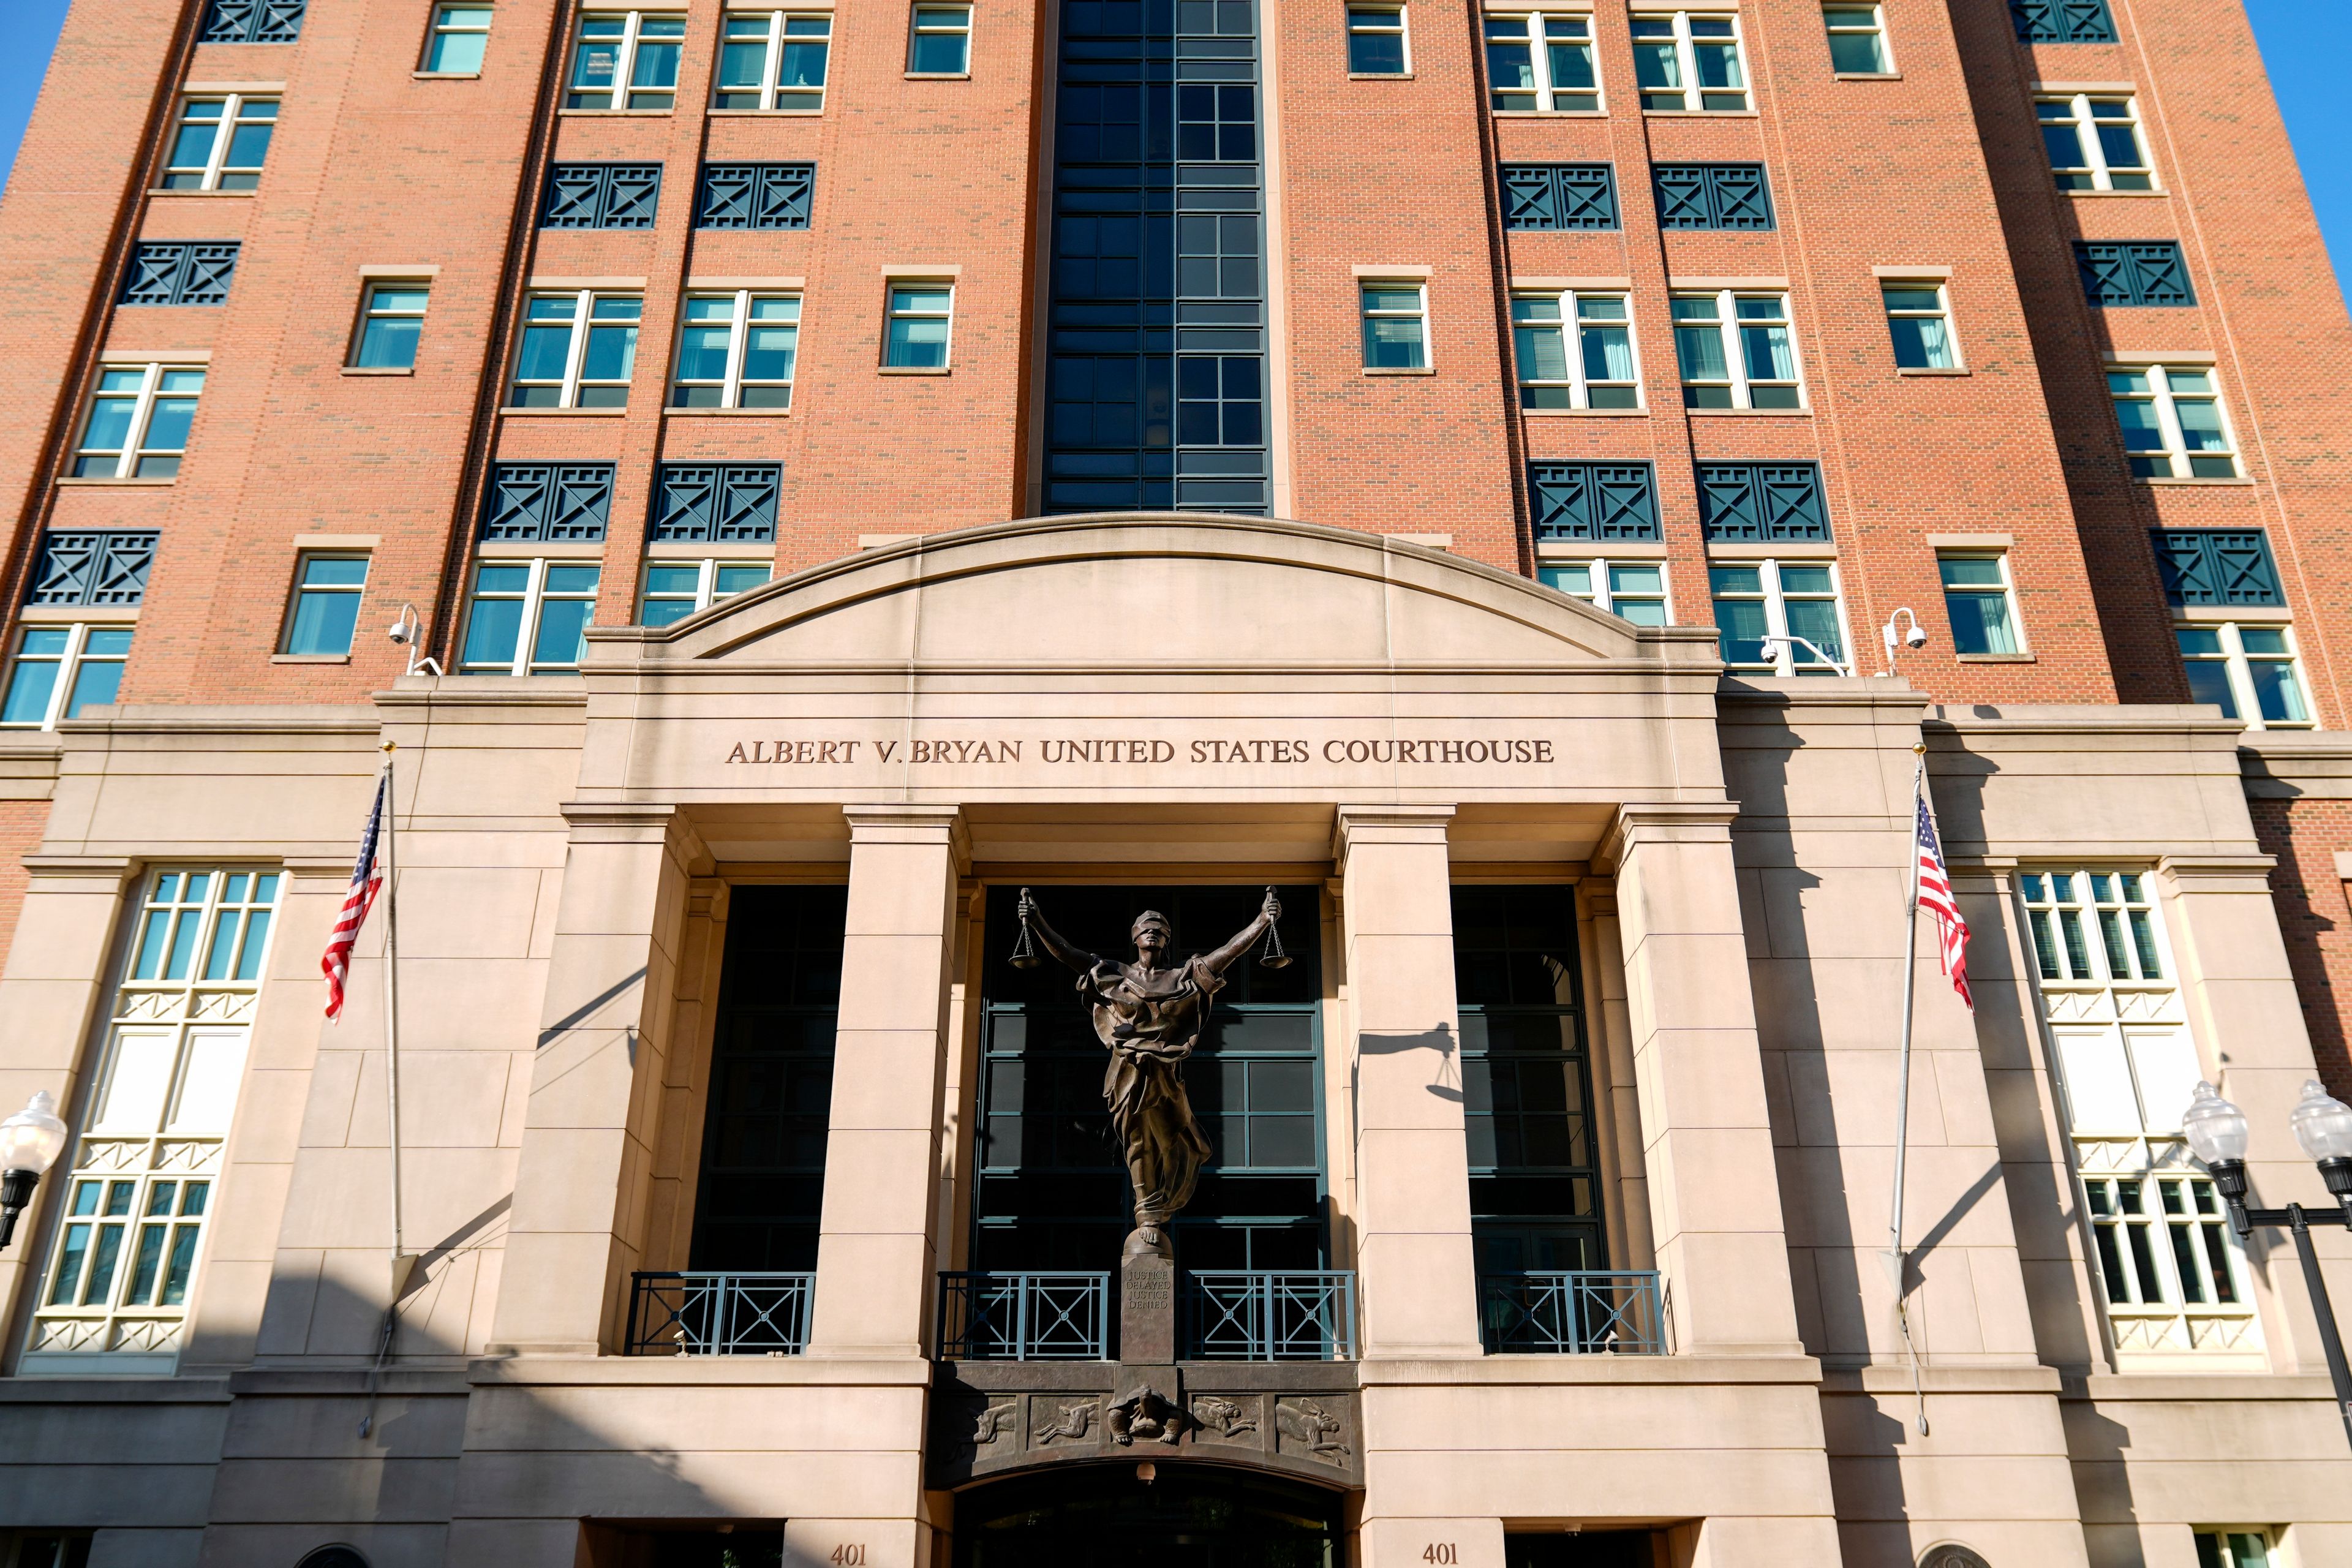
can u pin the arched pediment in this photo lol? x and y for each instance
(1153, 588)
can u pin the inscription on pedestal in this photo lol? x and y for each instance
(1147, 1311)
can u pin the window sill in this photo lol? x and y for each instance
(936, 76)
(1770, 549)
(148, 484)
(161, 191)
(913, 370)
(1933, 370)
(563, 413)
(2253, 615)
(97, 615)
(668, 413)
(618, 113)
(309, 658)
(379, 370)
(1380, 76)
(1549, 113)
(1749, 413)
(1994, 657)
(2224, 484)
(1868, 75)
(1583, 413)
(1401, 370)
(539, 549)
(1700, 114)
(446, 75)
(2103, 195)
(745, 113)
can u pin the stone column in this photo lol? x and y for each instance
(1715, 1200)
(1413, 1182)
(876, 1252)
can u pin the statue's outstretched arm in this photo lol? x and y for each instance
(1077, 958)
(1270, 911)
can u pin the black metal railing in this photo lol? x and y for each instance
(1058, 1315)
(1580, 1312)
(719, 1314)
(1256, 1314)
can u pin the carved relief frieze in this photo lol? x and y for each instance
(991, 1420)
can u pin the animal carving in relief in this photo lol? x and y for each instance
(1222, 1416)
(993, 1422)
(1305, 1420)
(1072, 1423)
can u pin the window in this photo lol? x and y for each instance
(1857, 40)
(1736, 350)
(1759, 600)
(1594, 500)
(754, 195)
(2248, 671)
(1760, 503)
(2216, 566)
(326, 606)
(1558, 196)
(460, 35)
(1712, 196)
(773, 60)
(939, 41)
(528, 617)
(138, 424)
(676, 589)
(1685, 62)
(725, 503)
(578, 351)
(601, 196)
(1634, 590)
(1980, 603)
(104, 566)
(2159, 1238)
(1395, 333)
(43, 1549)
(2134, 272)
(1542, 63)
(391, 318)
(625, 59)
(252, 22)
(564, 501)
(736, 351)
(220, 144)
(921, 315)
(2094, 143)
(122, 1265)
(2063, 21)
(179, 272)
(2235, 1549)
(60, 670)
(1921, 325)
(1376, 44)
(1598, 371)
(2172, 423)
(1220, 400)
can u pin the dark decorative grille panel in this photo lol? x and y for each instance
(2216, 566)
(1558, 196)
(2134, 272)
(252, 21)
(755, 195)
(107, 568)
(1594, 500)
(1712, 196)
(179, 272)
(601, 196)
(1762, 503)
(2063, 21)
(551, 501)
(716, 503)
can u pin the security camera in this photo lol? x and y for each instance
(1917, 636)
(401, 631)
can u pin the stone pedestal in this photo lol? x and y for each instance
(1147, 1311)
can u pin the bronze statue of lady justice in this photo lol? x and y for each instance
(1149, 1018)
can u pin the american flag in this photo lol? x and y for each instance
(367, 880)
(1935, 897)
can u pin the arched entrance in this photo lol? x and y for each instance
(1189, 1516)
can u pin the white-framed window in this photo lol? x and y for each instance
(2250, 671)
(1396, 325)
(920, 326)
(1377, 44)
(1980, 602)
(1857, 40)
(1919, 319)
(1759, 601)
(62, 669)
(579, 350)
(2236, 1546)
(1634, 590)
(528, 617)
(1542, 63)
(137, 428)
(325, 611)
(460, 37)
(391, 318)
(1737, 351)
(2172, 422)
(625, 59)
(1689, 62)
(939, 41)
(774, 61)
(676, 589)
(1598, 370)
(221, 142)
(737, 351)
(2167, 1267)
(122, 1268)
(2094, 142)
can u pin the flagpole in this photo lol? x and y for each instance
(1903, 1080)
(400, 1260)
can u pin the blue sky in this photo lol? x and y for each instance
(2304, 44)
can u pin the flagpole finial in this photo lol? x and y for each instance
(1918, 748)
(389, 747)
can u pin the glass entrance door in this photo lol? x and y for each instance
(1189, 1517)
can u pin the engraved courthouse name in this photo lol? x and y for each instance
(1225, 751)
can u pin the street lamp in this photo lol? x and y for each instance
(2216, 1130)
(30, 1142)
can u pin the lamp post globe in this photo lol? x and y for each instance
(2215, 1129)
(30, 1142)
